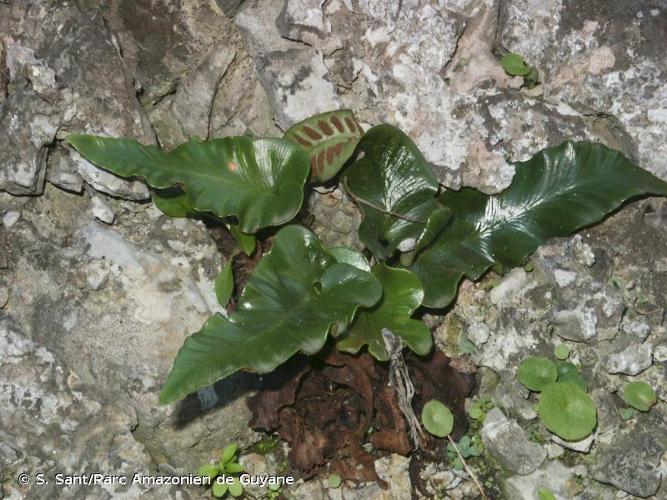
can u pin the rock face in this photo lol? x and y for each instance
(98, 290)
(509, 444)
(629, 460)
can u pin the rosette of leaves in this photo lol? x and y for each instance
(329, 139)
(258, 181)
(294, 298)
(468, 447)
(227, 466)
(556, 192)
(396, 191)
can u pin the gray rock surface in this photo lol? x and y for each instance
(630, 361)
(629, 459)
(508, 443)
(92, 314)
(552, 476)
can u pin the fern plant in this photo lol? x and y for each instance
(423, 240)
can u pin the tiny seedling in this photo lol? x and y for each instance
(639, 395)
(468, 448)
(226, 466)
(515, 65)
(437, 419)
(561, 352)
(335, 481)
(545, 494)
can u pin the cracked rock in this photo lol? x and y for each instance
(303, 20)
(509, 444)
(630, 361)
(629, 459)
(101, 210)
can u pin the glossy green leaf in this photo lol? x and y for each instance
(173, 202)
(556, 192)
(403, 294)
(639, 395)
(514, 65)
(224, 284)
(246, 242)
(537, 372)
(567, 411)
(395, 188)
(350, 256)
(260, 181)
(293, 298)
(329, 139)
(437, 419)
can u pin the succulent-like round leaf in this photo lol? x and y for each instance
(335, 481)
(396, 190)
(402, 294)
(567, 411)
(437, 419)
(228, 453)
(639, 395)
(561, 351)
(219, 489)
(536, 372)
(260, 181)
(514, 65)
(295, 295)
(556, 192)
(568, 372)
(236, 488)
(208, 470)
(329, 139)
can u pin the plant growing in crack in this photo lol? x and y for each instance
(421, 240)
(223, 474)
(564, 407)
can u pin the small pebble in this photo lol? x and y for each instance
(102, 211)
(11, 218)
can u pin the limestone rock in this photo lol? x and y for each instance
(101, 210)
(553, 476)
(631, 360)
(303, 20)
(509, 444)
(74, 428)
(114, 304)
(629, 459)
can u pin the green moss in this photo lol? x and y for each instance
(266, 445)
